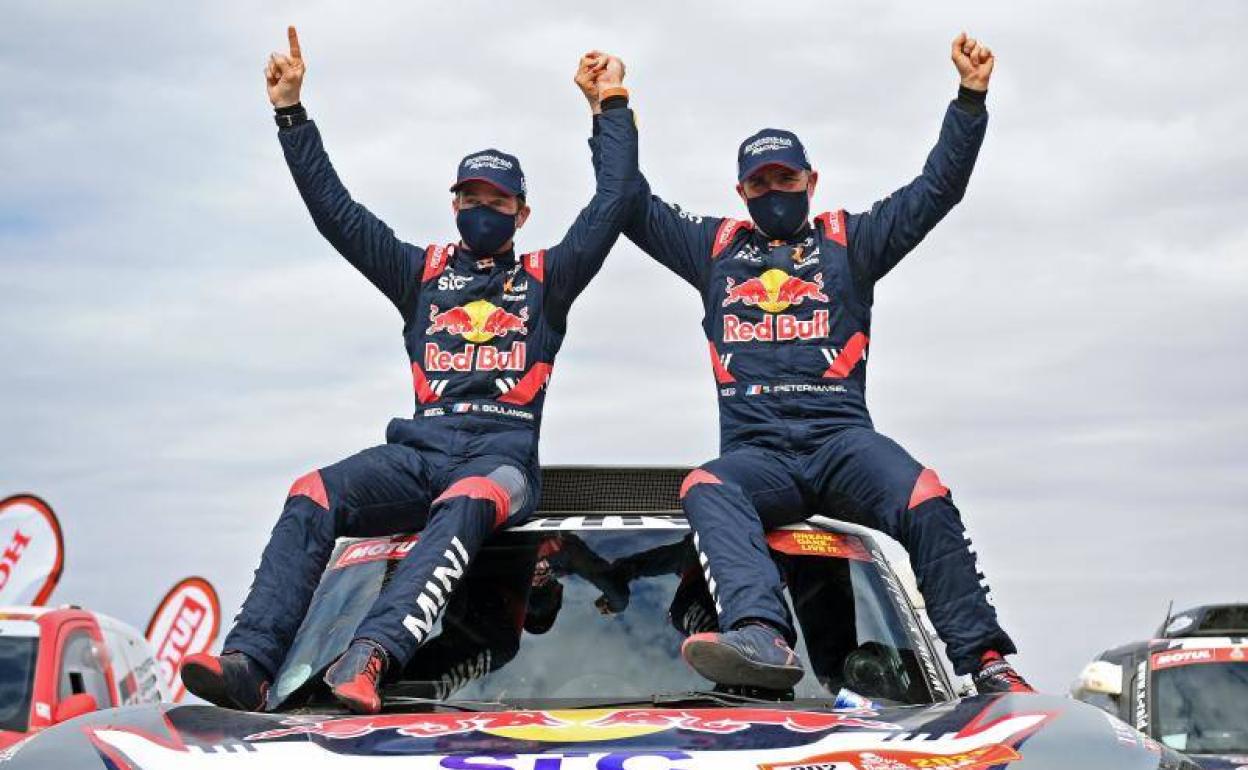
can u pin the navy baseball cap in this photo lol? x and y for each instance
(494, 167)
(771, 146)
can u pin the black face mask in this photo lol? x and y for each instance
(780, 214)
(485, 230)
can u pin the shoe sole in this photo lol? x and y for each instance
(726, 665)
(205, 683)
(353, 705)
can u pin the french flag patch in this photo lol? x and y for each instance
(461, 408)
(754, 390)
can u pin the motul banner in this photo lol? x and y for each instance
(33, 550)
(185, 622)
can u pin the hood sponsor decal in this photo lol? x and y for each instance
(32, 551)
(976, 747)
(185, 622)
(579, 725)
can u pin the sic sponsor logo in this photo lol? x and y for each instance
(449, 281)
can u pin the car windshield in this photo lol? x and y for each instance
(1200, 708)
(17, 671)
(566, 613)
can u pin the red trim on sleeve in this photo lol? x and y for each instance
(728, 230)
(697, 476)
(424, 391)
(848, 358)
(528, 386)
(926, 486)
(311, 486)
(722, 375)
(833, 224)
(481, 488)
(535, 265)
(436, 258)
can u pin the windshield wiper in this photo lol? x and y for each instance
(404, 702)
(689, 698)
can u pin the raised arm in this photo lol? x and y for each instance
(577, 258)
(880, 238)
(367, 242)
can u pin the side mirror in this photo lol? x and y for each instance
(74, 706)
(1099, 677)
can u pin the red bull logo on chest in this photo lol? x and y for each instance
(478, 321)
(774, 291)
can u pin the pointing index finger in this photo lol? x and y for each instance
(293, 37)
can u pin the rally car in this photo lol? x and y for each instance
(1187, 687)
(57, 664)
(560, 651)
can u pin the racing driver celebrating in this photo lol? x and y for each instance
(787, 314)
(481, 325)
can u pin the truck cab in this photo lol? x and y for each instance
(1187, 687)
(59, 663)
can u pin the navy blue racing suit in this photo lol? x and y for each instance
(788, 322)
(481, 333)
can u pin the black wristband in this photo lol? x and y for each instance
(291, 116)
(972, 101)
(614, 103)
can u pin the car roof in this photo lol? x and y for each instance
(629, 497)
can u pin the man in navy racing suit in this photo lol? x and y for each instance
(787, 314)
(482, 326)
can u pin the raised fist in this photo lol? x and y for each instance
(284, 73)
(596, 72)
(586, 79)
(974, 61)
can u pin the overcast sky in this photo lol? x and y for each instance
(1066, 348)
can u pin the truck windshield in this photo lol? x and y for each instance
(548, 618)
(17, 672)
(1200, 708)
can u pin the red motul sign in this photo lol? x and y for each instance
(32, 550)
(185, 622)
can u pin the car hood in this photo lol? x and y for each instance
(1019, 732)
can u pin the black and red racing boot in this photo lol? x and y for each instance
(355, 676)
(231, 680)
(997, 675)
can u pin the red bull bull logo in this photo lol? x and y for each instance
(478, 321)
(774, 291)
(578, 725)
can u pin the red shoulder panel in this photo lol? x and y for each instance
(436, 258)
(833, 224)
(535, 264)
(728, 230)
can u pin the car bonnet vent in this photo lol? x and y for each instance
(585, 489)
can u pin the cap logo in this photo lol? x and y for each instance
(487, 161)
(767, 144)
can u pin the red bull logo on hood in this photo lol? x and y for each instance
(478, 321)
(774, 291)
(580, 725)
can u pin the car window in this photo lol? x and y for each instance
(17, 673)
(1200, 708)
(583, 614)
(82, 669)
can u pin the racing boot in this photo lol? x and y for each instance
(231, 680)
(996, 675)
(355, 676)
(752, 655)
